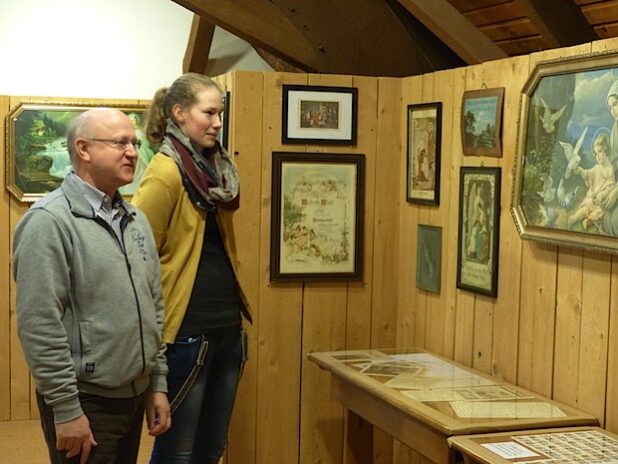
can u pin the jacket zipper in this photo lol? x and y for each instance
(123, 224)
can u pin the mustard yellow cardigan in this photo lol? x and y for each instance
(178, 228)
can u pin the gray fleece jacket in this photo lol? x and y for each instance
(89, 314)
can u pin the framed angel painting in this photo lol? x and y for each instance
(566, 179)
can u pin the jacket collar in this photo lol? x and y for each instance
(78, 203)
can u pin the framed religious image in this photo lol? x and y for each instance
(566, 170)
(479, 230)
(224, 133)
(36, 149)
(481, 122)
(428, 257)
(317, 217)
(423, 166)
(319, 115)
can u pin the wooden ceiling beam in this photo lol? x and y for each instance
(561, 24)
(452, 28)
(259, 23)
(198, 47)
(329, 37)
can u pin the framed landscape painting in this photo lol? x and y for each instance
(36, 152)
(566, 170)
(423, 160)
(479, 230)
(481, 122)
(317, 217)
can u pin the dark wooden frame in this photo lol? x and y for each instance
(483, 178)
(318, 136)
(496, 149)
(424, 230)
(317, 162)
(419, 196)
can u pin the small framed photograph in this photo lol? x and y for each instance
(424, 134)
(428, 257)
(481, 122)
(479, 230)
(37, 158)
(223, 135)
(319, 115)
(317, 217)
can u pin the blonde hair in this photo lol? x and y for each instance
(182, 92)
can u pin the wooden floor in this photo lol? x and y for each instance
(22, 442)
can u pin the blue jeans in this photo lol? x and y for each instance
(200, 424)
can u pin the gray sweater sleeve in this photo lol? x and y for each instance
(41, 255)
(158, 377)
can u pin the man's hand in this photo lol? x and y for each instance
(76, 437)
(157, 413)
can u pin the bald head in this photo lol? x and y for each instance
(102, 146)
(85, 126)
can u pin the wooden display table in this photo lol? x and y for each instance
(546, 446)
(421, 399)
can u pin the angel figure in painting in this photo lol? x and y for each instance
(600, 180)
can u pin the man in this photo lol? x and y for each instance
(89, 303)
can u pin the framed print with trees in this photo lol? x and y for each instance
(481, 122)
(36, 148)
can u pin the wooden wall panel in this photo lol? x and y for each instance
(513, 74)
(436, 309)
(385, 226)
(611, 392)
(245, 143)
(386, 233)
(323, 329)
(279, 321)
(458, 318)
(411, 91)
(5, 279)
(359, 304)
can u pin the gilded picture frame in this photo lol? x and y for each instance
(424, 153)
(317, 216)
(319, 115)
(481, 122)
(36, 154)
(479, 230)
(565, 188)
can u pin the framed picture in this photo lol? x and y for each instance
(428, 258)
(424, 134)
(36, 150)
(224, 133)
(317, 217)
(319, 115)
(479, 230)
(565, 190)
(481, 122)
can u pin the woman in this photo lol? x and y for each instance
(189, 193)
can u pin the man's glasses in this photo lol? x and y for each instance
(120, 144)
